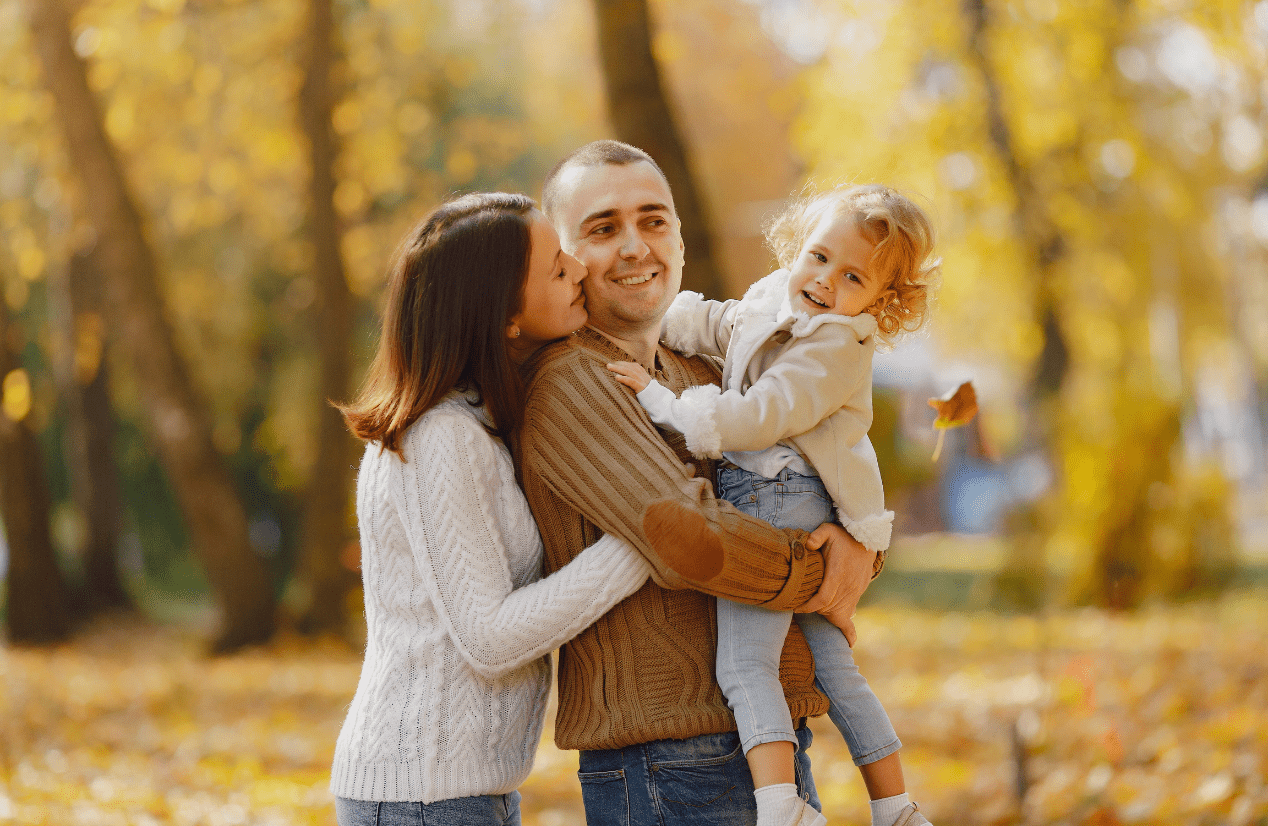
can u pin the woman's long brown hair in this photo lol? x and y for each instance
(457, 280)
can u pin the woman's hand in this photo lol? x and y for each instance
(633, 376)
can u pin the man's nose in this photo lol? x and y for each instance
(633, 247)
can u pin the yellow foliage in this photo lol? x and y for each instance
(15, 395)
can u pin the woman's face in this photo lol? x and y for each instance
(554, 304)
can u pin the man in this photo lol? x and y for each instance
(637, 693)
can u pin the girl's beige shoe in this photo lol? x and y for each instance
(911, 816)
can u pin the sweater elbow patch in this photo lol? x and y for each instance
(697, 409)
(873, 532)
(683, 541)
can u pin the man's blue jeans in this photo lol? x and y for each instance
(702, 781)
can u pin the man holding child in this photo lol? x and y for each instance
(637, 692)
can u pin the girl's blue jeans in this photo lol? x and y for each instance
(750, 638)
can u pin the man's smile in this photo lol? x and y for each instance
(635, 280)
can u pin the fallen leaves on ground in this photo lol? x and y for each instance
(1158, 718)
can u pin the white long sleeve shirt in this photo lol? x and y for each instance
(453, 690)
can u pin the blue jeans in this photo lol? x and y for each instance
(700, 781)
(484, 810)
(750, 638)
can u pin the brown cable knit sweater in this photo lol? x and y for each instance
(593, 463)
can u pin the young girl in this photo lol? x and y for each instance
(791, 423)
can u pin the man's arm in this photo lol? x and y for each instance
(587, 440)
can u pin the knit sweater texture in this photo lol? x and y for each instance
(592, 463)
(453, 690)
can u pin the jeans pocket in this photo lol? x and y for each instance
(711, 791)
(605, 797)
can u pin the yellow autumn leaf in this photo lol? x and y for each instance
(955, 409)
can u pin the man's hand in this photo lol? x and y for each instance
(846, 575)
(633, 376)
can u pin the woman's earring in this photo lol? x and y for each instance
(515, 331)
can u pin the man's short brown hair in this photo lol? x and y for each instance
(595, 153)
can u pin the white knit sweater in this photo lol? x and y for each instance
(457, 669)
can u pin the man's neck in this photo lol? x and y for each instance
(640, 346)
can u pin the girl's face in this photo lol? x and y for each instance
(831, 272)
(553, 304)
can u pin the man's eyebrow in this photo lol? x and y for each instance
(596, 216)
(611, 213)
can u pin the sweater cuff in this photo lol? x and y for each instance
(872, 532)
(697, 414)
(805, 575)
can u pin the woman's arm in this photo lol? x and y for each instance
(447, 492)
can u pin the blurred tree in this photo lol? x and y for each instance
(37, 605)
(75, 314)
(326, 528)
(641, 115)
(1076, 157)
(178, 424)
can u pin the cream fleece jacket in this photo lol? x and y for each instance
(789, 378)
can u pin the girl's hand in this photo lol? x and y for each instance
(633, 376)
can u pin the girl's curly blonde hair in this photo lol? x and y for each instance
(904, 240)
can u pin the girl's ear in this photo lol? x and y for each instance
(512, 331)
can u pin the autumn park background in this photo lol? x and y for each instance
(198, 201)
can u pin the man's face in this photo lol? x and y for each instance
(619, 221)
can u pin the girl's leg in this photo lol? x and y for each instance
(855, 709)
(750, 640)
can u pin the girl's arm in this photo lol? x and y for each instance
(812, 381)
(695, 325)
(447, 492)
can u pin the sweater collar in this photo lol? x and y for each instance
(605, 345)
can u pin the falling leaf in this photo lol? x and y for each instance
(955, 409)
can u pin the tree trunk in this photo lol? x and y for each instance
(37, 604)
(1046, 245)
(641, 116)
(326, 521)
(175, 420)
(80, 368)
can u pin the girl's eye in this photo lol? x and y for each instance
(820, 257)
(853, 278)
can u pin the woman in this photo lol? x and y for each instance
(448, 711)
